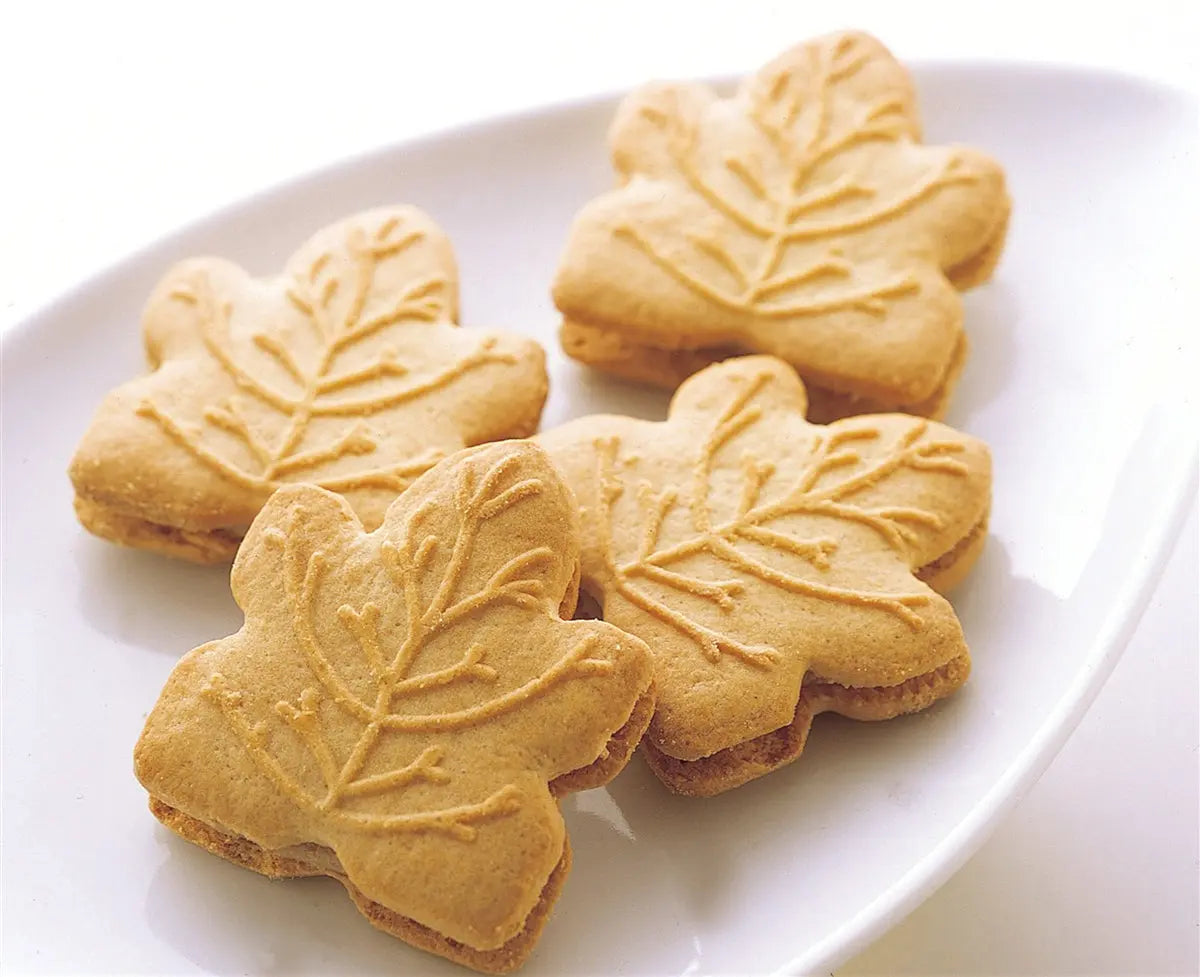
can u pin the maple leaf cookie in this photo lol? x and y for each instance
(801, 217)
(775, 567)
(401, 709)
(347, 371)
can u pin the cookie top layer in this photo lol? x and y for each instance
(404, 697)
(801, 217)
(750, 548)
(346, 371)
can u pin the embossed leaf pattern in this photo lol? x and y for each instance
(413, 684)
(748, 547)
(785, 200)
(825, 487)
(443, 592)
(319, 380)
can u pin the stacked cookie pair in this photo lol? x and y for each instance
(410, 693)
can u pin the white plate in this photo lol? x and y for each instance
(1070, 379)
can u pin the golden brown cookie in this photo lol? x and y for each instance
(802, 217)
(776, 568)
(402, 708)
(346, 371)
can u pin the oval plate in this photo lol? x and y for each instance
(1069, 380)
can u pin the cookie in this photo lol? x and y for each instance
(347, 371)
(775, 567)
(402, 708)
(801, 217)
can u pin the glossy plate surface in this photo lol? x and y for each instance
(1072, 379)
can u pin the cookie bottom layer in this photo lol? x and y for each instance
(309, 860)
(613, 352)
(747, 761)
(217, 546)
(616, 755)
(978, 268)
(951, 568)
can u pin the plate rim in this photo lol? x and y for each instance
(938, 865)
(295, 181)
(1178, 491)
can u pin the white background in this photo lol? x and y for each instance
(121, 121)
